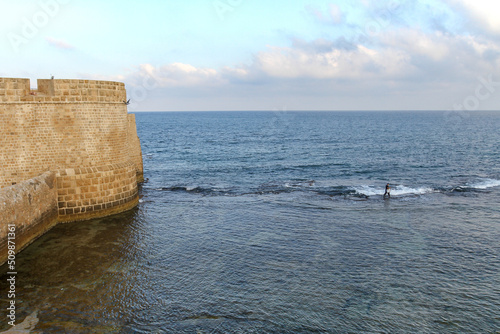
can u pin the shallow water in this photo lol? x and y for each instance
(275, 223)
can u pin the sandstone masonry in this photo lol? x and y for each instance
(79, 130)
(32, 207)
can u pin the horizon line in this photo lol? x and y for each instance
(320, 110)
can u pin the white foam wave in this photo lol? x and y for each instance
(369, 190)
(399, 190)
(485, 184)
(402, 190)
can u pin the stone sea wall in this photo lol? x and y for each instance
(81, 131)
(30, 206)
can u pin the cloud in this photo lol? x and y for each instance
(484, 13)
(400, 67)
(342, 60)
(399, 56)
(395, 55)
(290, 62)
(174, 75)
(59, 44)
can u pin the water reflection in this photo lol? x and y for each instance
(79, 275)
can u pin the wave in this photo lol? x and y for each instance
(311, 186)
(485, 184)
(307, 186)
(479, 185)
(399, 190)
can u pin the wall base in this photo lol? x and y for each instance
(34, 206)
(111, 210)
(31, 207)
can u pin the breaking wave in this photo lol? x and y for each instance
(478, 185)
(311, 186)
(485, 184)
(398, 190)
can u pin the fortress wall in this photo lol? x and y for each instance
(84, 193)
(81, 90)
(50, 136)
(13, 89)
(61, 90)
(135, 151)
(32, 207)
(80, 131)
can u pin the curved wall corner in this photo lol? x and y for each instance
(79, 129)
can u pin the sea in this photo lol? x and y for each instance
(275, 222)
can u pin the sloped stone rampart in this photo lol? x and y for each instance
(30, 206)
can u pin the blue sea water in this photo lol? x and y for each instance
(275, 222)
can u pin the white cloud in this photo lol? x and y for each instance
(483, 12)
(405, 68)
(396, 55)
(173, 75)
(359, 63)
(434, 46)
(400, 56)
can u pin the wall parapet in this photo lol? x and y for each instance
(13, 90)
(63, 131)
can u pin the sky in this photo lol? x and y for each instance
(197, 55)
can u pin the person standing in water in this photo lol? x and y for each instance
(387, 190)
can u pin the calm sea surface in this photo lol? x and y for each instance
(274, 222)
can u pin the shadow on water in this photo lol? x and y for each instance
(75, 272)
